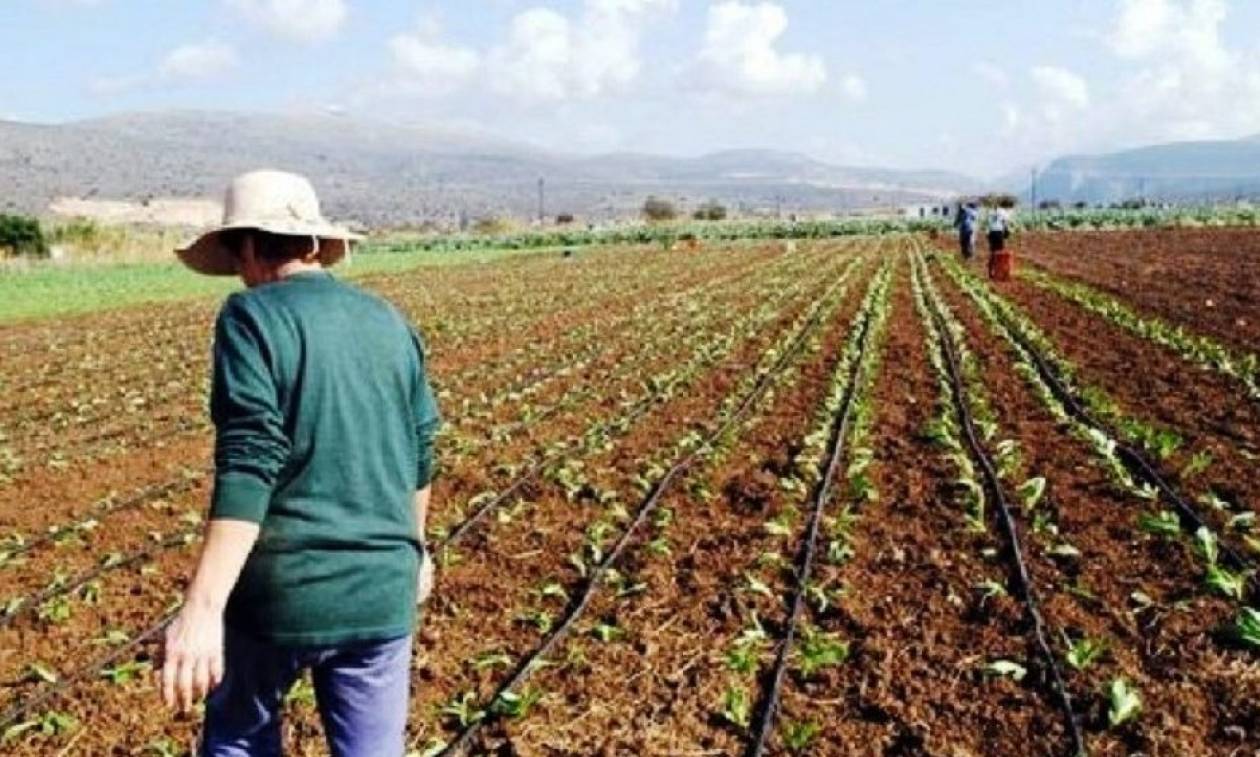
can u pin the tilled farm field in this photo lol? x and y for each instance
(843, 497)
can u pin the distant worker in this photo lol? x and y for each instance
(999, 232)
(314, 556)
(966, 220)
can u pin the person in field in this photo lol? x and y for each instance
(999, 230)
(314, 553)
(966, 220)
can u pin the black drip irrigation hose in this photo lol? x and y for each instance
(20, 709)
(641, 406)
(181, 538)
(176, 485)
(1133, 460)
(805, 560)
(1022, 574)
(528, 665)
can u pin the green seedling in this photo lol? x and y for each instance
(1206, 545)
(1085, 652)
(49, 724)
(1246, 627)
(463, 709)
(125, 673)
(820, 650)
(755, 585)
(736, 707)
(37, 671)
(516, 706)
(301, 695)
(1031, 491)
(798, 736)
(1163, 523)
(1226, 582)
(1197, 464)
(1125, 703)
(487, 660)
(1215, 501)
(607, 633)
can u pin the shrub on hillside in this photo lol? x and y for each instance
(659, 209)
(23, 236)
(711, 211)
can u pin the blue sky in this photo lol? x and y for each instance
(981, 86)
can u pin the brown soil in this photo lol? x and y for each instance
(918, 630)
(1167, 661)
(1205, 279)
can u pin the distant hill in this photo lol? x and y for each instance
(381, 174)
(1181, 171)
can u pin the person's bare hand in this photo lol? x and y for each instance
(424, 582)
(192, 657)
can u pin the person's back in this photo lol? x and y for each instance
(1000, 221)
(313, 556)
(346, 371)
(968, 215)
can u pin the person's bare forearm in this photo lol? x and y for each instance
(422, 510)
(228, 544)
(193, 647)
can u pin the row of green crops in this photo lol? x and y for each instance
(669, 233)
(1106, 219)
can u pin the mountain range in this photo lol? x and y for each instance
(380, 174)
(1177, 172)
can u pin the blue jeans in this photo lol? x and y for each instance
(361, 689)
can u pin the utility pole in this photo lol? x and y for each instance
(542, 200)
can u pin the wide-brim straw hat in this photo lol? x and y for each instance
(272, 201)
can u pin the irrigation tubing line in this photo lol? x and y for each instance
(175, 485)
(20, 709)
(805, 563)
(640, 407)
(527, 666)
(181, 538)
(1134, 460)
(1026, 588)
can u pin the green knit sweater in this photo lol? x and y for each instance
(325, 421)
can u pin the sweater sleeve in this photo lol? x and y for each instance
(427, 420)
(250, 444)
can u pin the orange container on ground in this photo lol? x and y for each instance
(1001, 265)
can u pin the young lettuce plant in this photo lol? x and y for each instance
(1246, 629)
(1085, 652)
(1125, 703)
(736, 706)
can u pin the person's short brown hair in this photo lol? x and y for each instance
(268, 246)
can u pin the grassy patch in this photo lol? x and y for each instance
(50, 290)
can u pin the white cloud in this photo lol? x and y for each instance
(548, 56)
(195, 61)
(431, 67)
(200, 60)
(1061, 86)
(854, 88)
(298, 20)
(739, 56)
(1177, 79)
(1187, 32)
(1188, 84)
